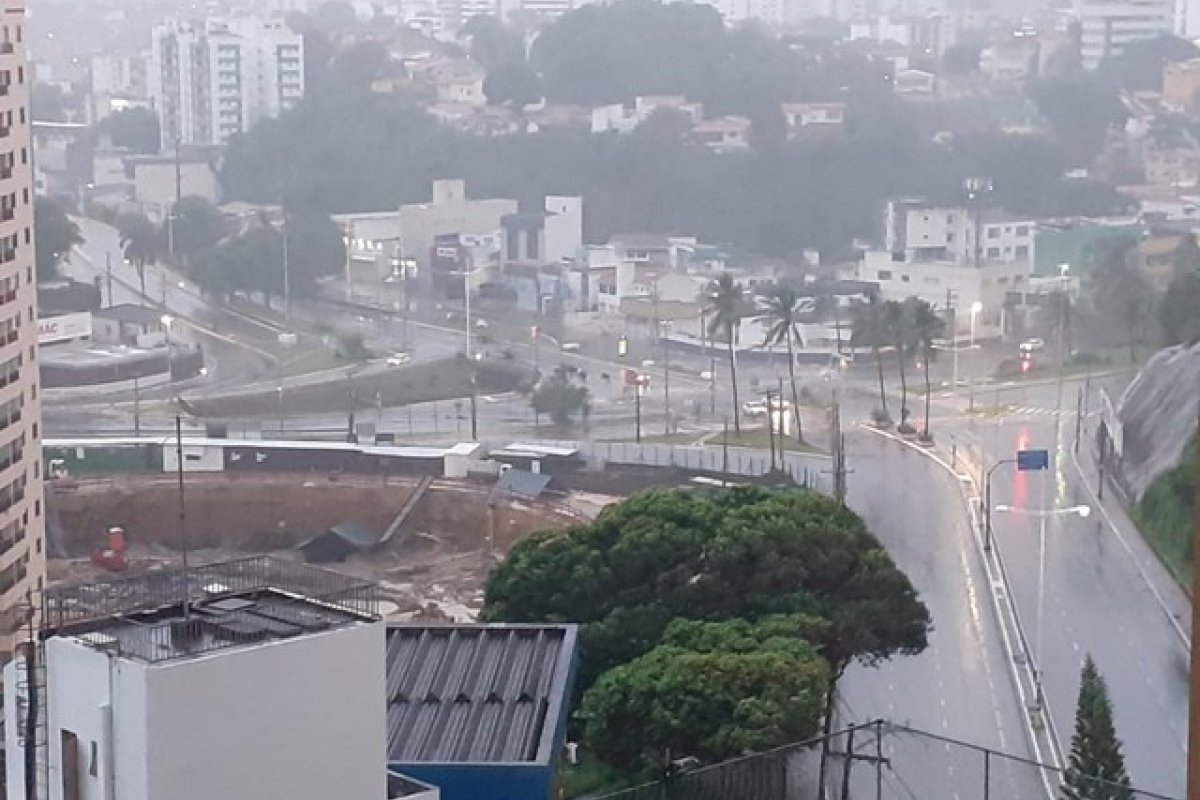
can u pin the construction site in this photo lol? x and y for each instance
(428, 543)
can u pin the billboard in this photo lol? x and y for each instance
(65, 327)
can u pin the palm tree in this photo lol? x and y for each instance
(725, 304)
(925, 326)
(782, 314)
(868, 329)
(139, 240)
(899, 332)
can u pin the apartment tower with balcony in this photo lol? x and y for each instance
(22, 526)
(213, 79)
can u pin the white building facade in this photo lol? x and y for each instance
(953, 258)
(22, 519)
(211, 80)
(195, 705)
(1107, 26)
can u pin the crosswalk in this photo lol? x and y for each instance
(1036, 411)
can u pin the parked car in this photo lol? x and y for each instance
(399, 359)
(1032, 345)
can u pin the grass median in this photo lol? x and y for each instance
(436, 380)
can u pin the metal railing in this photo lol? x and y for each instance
(80, 603)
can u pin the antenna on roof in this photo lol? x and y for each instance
(183, 544)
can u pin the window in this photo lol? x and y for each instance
(1022, 251)
(993, 252)
(993, 233)
(532, 245)
(1022, 230)
(884, 275)
(904, 279)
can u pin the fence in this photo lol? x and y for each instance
(878, 760)
(806, 469)
(75, 603)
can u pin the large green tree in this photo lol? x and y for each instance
(725, 305)
(1119, 291)
(199, 225)
(712, 690)
(741, 553)
(560, 398)
(898, 325)
(136, 128)
(1095, 766)
(781, 313)
(869, 329)
(55, 234)
(1179, 310)
(141, 241)
(927, 327)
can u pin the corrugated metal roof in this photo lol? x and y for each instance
(475, 693)
(526, 484)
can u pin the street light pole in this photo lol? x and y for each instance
(1043, 515)
(987, 503)
(976, 307)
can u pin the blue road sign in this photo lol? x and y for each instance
(1033, 460)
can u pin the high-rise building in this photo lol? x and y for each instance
(22, 524)
(211, 80)
(1107, 26)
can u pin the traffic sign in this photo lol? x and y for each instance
(1033, 460)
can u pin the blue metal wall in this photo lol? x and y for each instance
(484, 781)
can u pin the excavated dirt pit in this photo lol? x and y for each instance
(435, 567)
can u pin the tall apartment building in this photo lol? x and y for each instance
(1107, 26)
(214, 79)
(22, 525)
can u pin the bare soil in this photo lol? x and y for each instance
(435, 567)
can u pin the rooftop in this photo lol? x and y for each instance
(128, 312)
(477, 693)
(229, 603)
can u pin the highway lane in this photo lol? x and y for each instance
(960, 687)
(1096, 601)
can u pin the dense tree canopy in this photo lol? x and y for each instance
(199, 225)
(744, 553)
(135, 128)
(55, 234)
(253, 261)
(711, 690)
(777, 199)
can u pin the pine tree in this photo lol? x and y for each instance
(1096, 767)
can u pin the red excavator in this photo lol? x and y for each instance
(112, 558)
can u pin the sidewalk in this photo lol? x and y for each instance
(1171, 598)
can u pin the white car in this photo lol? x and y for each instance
(758, 408)
(1032, 345)
(399, 359)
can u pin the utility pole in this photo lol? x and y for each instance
(666, 383)
(838, 450)
(108, 272)
(474, 409)
(175, 208)
(287, 276)
(725, 450)
(1193, 750)
(712, 385)
(771, 426)
(782, 418)
(137, 408)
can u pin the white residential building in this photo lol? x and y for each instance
(211, 80)
(952, 257)
(1106, 26)
(22, 521)
(266, 682)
